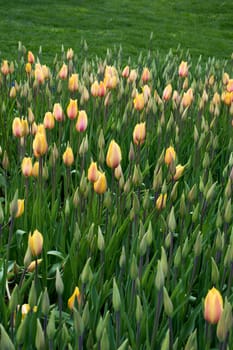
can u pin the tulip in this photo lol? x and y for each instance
(213, 306)
(95, 88)
(133, 76)
(100, 186)
(161, 201)
(20, 210)
(5, 67)
(72, 109)
(81, 124)
(73, 83)
(31, 267)
(179, 172)
(46, 71)
(167, 92)
(76, 296)
(58, 112)
(39, 74)
(110, 77)
(17, 128)
(183, 69)
(31, 116)
(230, 85)
(118, 172)
(25, 128)
(225, 78)
(101, 89)
(68, 156)
(63, 72)
(13, 92)
(125, 72)
(139, 133)
(216, 99)
(39, 145)
(146, 93)
(35, 243)
(145, 75)
(31, 58)
(70, 54)
(113, 157)
(170, 155)
(187, 98)
(93, 172)
(28, 68)
(26, 166)
(227, 97)
(25, 308)
(139, 102)
(49, 120)
(35, 169)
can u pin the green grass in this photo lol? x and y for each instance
(204, 28)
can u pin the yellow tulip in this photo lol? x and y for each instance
(31, 267)
(35, 243)
(49, 120)
(139, 133)
(17, 128)
(179, 172)
(68, 156)
(213, 306)
(139, 102)
(100, 186)
(167, 92)
(183, 69)
(75, 296)
(73, 83)
(170, 155)
(93, 172)
(35, 169)
(72, 109)
(113, 157)
(39, 145)
(26, 166)
(20, 210)
(161, 201)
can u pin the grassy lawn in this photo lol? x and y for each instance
(205, 28)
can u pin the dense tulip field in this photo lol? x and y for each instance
(116, 185)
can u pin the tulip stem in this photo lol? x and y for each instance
(170, 333)
(156, 319)
(118, 328)
(9, 239)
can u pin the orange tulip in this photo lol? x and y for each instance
(125, 72)
(92, 173)
(167, 92)
(72, 109)
(139, 102)
(81, 124)
(145, 75)
(5, 67)
(113, 157)
(101, 89)
(139, 133)
(213, 306)
(35, 243)
(75, 296)
(183, 69)
(31, 58)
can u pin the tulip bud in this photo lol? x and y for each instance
(51, 326)
(225, 323)
(228, 212)
(32, 298)
(85, 275)
(75, 297)
(113, 157)
(170, 155)
(122, 260)
(116, 299)
(213, 306)
(14, 205)
(161, 201)
(100, 240)
(35, 243)
(104, 343)
(40, 339)
(14, 300)
(198, 245)
(177, 258)
(172, 221)
(192, 341)
(214, 272)
(68, 156)
(159, 279)
(168, 306)
(59, 283)
(139, 310)
(45, 303)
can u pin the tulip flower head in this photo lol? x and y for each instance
(125, 72)
(26, 166)
(100, 186)
(31, 58)
(39, 145)
(73, 83)
(70, 54)
(28, 68)
(20, 210)
(68, 156)
(230, 85)
(183, 69)
(145, 75)
(81, 124)
(35, 243)
(139, 133)
(49, 120)
(95, 88)
(39, 74)
(5, 67)
(139, 102)
(17, 128)
(93, 172)
(167, 92)
(179, 172)
(113, 157)
(35, 169)
(63, 72)
(161, 201)
(76, 296)
(58, 112)
(72, 109)
(213, 306)
(170, 155)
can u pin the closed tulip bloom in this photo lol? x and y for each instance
(81, 124)
(179, 172)
(63, 72)
(73, 83)
(139, 133)
(76, 296)
(230, 85)
(39, 74)
(183, 69)
(95, 88)
(26, 166)
(31, 267)
(133, 76)
(139, 102)
(49, 120)
(161, 201)
(213, 306)
(5, 67)
(58, 112)
(13, 92)
(25, 308)
(145, 75)
(72, 109)
(113, 157)
(216, 99)
(170, 155)
(70, 54)
(118, 172)
(225, 78)
(92, 173)
(28, 68)
(167, 92)
(101, 89)
(31, 58)
(187, 98)
(125, 72)
(68, 156)
(100, 186)
(17, 128)
(31, 116)
(227, 97)
(20, 210)
(39, 145)
(146, 93)
(35, 243)
(25, 128)
(35, 169)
